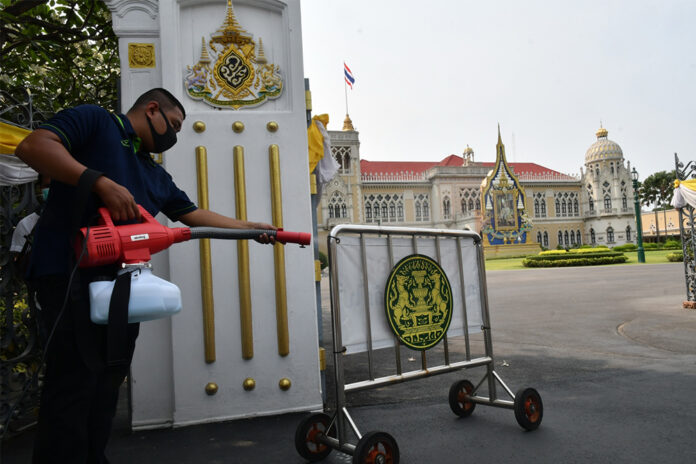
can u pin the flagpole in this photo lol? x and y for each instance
(345, 89)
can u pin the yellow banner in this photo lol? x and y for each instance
(10, 136)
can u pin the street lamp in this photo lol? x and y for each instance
(639, 222)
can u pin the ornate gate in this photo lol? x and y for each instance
(20, 353)
(687, 228)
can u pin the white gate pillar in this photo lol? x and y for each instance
(246, 340)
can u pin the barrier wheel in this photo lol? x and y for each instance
(376, 448)
(458, 398)
(306, 435)
(529, 410)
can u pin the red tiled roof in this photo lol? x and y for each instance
(396, 167)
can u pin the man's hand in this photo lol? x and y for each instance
(118, 200)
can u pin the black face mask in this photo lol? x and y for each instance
(162, 142)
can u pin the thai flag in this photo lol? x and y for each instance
(350, 80)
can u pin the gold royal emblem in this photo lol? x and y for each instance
(418, 302)
(240, 75)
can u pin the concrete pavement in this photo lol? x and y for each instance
(610, 350)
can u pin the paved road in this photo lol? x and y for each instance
(610, 349)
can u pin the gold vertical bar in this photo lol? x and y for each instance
(206, 265)
(243, 257)
(279, 254)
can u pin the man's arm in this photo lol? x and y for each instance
(206, 218)
(45, 153)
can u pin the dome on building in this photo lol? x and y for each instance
(603, 149)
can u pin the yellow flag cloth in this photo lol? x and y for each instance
(10, 136)
(684, 193)
(316, 140)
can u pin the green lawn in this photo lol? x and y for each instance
(651, 257)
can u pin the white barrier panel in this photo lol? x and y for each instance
(351, 287)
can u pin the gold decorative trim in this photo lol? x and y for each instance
(308, 100)
(249, 384)
(211, 388)
(317, 270)
(199, 126)
(238, 127)
(243, 257)
(322, 359)
(313, 184)
(285, 384)
(272, 126)
(279, 254)
(206, 261)
(141, 55)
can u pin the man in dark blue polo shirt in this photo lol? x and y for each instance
(89, 146)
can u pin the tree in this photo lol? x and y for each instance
(657, 190)
(64, 52)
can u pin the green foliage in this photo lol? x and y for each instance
(581, 260)
(64, 51)
(651, 246)
(324, 260)
(626, 247)
(676, 257)
(552, 252)
(672, 245)
(657, 189)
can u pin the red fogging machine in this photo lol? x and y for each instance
(132, 245)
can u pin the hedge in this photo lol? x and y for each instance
(579, 261)
(575, 256)
(676, 257)
(626, 247)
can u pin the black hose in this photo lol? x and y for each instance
(229, 234)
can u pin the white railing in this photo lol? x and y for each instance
(546, 177)
(403, 176)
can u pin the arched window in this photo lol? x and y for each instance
(575, 207)
(546, 239)
(400, 212)
(593, 237)
(384, 211)
(567, 242)
(418, 211)
(591, 205)
(558, 207)
(572, 237)
(607, 202)
(624, 202)
(446, 208)
(563, 208)
(376, 210)
(628, 233)
(536, 210)
(471, 205)
(426, 211)
(344, 212)
(610, 235)
(560, 238)
(578, 237)
(392, 212)
(368, 212)
(331, 211)
(543, 208)
(539, 237)
(463, 205)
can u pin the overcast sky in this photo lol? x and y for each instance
(432, 77)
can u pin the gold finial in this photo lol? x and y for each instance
(261, 57)
(205, 58)
(602, 132)
(348, 124)
(500, 140)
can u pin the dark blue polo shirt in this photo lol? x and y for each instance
(105, 142)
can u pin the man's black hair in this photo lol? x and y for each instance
(162, 96)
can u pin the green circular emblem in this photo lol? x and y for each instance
(418, 302)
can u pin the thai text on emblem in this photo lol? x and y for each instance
(418, 302)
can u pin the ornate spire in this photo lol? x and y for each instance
(601, 132)
(231, 31)
(500, 147)
(205, 58)
(261, 57)
(348, 124)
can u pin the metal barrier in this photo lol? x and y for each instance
(394, 284)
